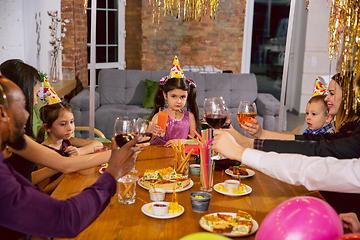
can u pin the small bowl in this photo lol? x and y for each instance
(232, 184)
(157, 194)
(200, 204)
(195, 169)
(160, 208)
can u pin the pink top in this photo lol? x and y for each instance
(175, 129)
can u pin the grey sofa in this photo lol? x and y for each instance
(121, 92)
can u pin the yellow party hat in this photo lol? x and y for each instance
(50, 96)
(176, 70)
(319, 88)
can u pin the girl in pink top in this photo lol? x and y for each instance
(176, 92)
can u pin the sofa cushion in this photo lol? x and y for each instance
(150, 90)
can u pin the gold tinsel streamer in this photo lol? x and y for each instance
(344, 40)
(192, 9)
(85, 6)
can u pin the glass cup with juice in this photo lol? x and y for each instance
(162, 120)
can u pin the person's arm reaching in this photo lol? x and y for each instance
(26, 209)
(315, 173)
(257, 131)
(44, 156)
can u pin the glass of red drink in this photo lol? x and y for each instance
(124, 132)
(215, 112)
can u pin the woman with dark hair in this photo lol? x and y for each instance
(24, 161)
(28, 79)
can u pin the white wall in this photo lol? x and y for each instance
(296, 58)
(18, 31)
(11, 30)
(316, 58)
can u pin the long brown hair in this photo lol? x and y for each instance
(177, 83)
(346, 112)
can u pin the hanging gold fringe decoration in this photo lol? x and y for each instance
(344, 29)
(85, 6)
(192, 9)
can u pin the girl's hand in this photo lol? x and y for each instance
(73, 151)
(170, 142)
(350, 221)
(157, 130)
(253, 128)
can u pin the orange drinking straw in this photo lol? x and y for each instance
(198, 135)
(194, 139)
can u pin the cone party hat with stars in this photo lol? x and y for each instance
(176, 70)
(50, 96)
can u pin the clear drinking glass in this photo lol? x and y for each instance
(245, 110)
(124, 132)
(144, 128)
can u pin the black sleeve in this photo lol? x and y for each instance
(342, 148)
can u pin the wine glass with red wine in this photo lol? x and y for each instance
(124, 132)
(215, 112)
(144, 128)
(245, 110)
(228, 120)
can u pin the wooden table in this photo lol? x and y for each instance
(120, 221)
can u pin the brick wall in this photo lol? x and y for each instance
(133, 38)
(74, 55)
(209, 42)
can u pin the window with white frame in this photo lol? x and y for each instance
(110, 34)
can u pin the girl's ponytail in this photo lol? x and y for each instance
(192, 106)
(40, 137)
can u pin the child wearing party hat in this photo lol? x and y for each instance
(58, 127)
(175, 91)
(318, 118)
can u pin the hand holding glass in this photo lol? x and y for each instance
(246, 109)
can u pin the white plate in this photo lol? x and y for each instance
(253, 229)
(168, 191)
(249, 171)
(146, 211)
(248, 191)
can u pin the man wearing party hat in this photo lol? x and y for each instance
(175, 91)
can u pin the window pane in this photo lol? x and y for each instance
(112, 4)
(101, 27)
(100, 54)
(101, 4)
(113, 27)
(113, 54)
(89, 26)
(88, 55)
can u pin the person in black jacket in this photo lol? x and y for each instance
(344, 144)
